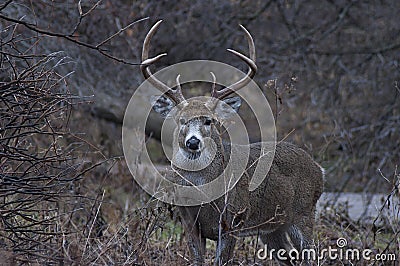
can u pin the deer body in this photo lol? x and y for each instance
(282, 199)
(284, 204)
(280, 210)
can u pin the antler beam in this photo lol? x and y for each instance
(175, 95)
(220, 94)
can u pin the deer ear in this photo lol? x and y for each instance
(162, 105)
(228, 107)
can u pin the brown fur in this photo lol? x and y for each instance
(284, 203)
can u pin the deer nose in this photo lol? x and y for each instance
(193, 143)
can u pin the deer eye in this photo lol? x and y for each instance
(207, 122)
(182, 121)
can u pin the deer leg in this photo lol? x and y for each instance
(224, 252)
(277, 241)
(300, 241)
(301, 235)
(296, 237)
(197, 243)
(292, 238)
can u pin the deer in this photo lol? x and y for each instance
(280, 211)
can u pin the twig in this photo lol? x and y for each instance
(74, 40)
(5, 4)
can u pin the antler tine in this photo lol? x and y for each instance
(214, 83)
(178, 90)
(175, 95)
(250, 74)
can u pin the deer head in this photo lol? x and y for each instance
(196, 118)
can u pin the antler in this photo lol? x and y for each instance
(220, 94)
(175, 95)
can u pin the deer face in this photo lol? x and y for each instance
(197, 122)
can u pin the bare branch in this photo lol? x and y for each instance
(74, 40)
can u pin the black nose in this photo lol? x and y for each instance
(193, 143)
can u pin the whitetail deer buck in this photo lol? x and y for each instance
(280, 211)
